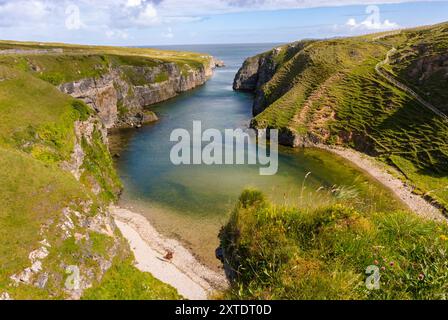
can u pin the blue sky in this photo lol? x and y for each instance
(158, 22)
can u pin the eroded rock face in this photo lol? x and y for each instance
(257, 71)
(426, 67)
(120, 96)
(254, 74)
(247, 77)
(100, 94)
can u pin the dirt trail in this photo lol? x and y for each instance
(379, 69)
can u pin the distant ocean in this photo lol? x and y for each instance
(232, 54)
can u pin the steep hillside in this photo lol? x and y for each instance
(382, 94)
(328, 253)
(117, 82)
(59, 240)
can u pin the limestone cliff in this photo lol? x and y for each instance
(121, 95)
(61, 178)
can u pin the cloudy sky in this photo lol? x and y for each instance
(158, 22)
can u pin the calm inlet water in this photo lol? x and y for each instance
(191, 203)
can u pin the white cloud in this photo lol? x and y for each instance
(23, 12)
(147, 16)
(121, 14)
(119, 19)
(213, 7)
(133, 3)
(118, 34)
(351, 22)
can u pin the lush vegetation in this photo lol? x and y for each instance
(125, 282)
(79, 62)
(330, 92)
(41, 202)
(32, 194)
(299, 253)
(414, 50)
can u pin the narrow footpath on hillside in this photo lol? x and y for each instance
(380, 71)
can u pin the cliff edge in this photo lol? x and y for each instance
(383, 95)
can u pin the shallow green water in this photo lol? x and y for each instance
(193, 202)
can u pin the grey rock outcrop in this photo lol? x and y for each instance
(5, 296)
(121, 95)
(259, 70)
(247, 77)
(256, 71)
(31, 51)
(254, 74)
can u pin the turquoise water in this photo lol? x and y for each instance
(193, 202)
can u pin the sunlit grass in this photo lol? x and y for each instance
(329, 91)
(281, 252)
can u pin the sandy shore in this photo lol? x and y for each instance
(193, 280)
(416, 203)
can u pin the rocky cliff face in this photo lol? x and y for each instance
(259, 70)
(428, 66)
(107, 95)
(429, 74)
(120, 96)
(256, 72)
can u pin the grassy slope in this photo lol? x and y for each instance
(32, 193)
(124, 282)
(79, 62)
(334, 93)
(296, 253)
(415, 47)
(36, 136)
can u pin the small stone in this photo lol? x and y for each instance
(5, 296)
(36, 267)
(39, 254)
(45, 243)
(42, 281)
(23, 277)
(105, 265)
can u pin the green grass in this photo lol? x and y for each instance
(296, 80)
(392, 126)
(34, 111)
(295, 253)
(329, 91)
(37, 135)
(125, 282)
(32, 194)
(162, 77)
(418, 46)
(99, 168)
(80, 62)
